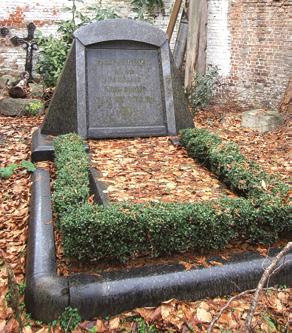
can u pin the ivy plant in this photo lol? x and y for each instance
(202, 89)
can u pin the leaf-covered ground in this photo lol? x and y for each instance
(140, 170)
(154, 169)
(270, 150)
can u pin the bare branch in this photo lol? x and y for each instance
(268, 271)
(235, 297)
(215, 319)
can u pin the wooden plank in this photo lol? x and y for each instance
(200, 65)
(192, 41)
(180, 43)
(173, 18)
(196, 40)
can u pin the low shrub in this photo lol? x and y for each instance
(202, 88)
(128, 230)
(69, 319)
(72, 182)
(225, 160)
(122, 231)
(10, 169)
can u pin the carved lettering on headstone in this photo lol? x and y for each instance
(118, 81)
(124, 88)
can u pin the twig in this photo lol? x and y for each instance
(215, 319)
(286, 328)
(277, 270)
(268, 271)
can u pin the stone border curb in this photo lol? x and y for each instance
(47, 294)
(42, 148)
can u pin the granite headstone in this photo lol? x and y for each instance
(119, 80)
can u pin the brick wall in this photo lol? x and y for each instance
(15, 14)
(250, 42)
(247, 39)
(260, 50)
(219, 38)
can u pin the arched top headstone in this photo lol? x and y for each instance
(120, 29)
(118, 81)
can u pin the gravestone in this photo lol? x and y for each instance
(118, 81)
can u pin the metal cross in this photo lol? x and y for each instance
(28, 43)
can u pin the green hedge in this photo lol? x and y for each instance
(224, 159)
(122, 231)
(72, 182)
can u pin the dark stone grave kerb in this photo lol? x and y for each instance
(47, 294)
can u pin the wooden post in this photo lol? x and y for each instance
(192, 41)
(173, 18)
(197, 40)
(181, 41)
(200, 65)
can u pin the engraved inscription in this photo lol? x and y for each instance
(124, 88)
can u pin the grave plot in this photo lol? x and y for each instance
(127, 102)
(122, 231)
(12, 221)
(152, 169)
(118, 156)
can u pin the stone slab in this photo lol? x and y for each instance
(97, 188)
(124, 91)
(36, 90)
(261, 120)
(46, 295)
(42, 148)
(61, 117)
(4, 78)
(120, 30)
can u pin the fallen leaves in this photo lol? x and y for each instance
(203, 313)
(269, 150)
(141, 170)
(100, 327)
(145, 169)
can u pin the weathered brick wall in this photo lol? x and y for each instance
(247, 39)
(250, 42)
(15, 14)
(260, 50)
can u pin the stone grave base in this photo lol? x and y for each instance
(261, 120)
(42, 148)
(47, 294)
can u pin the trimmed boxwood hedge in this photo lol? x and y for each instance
(122, 231)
